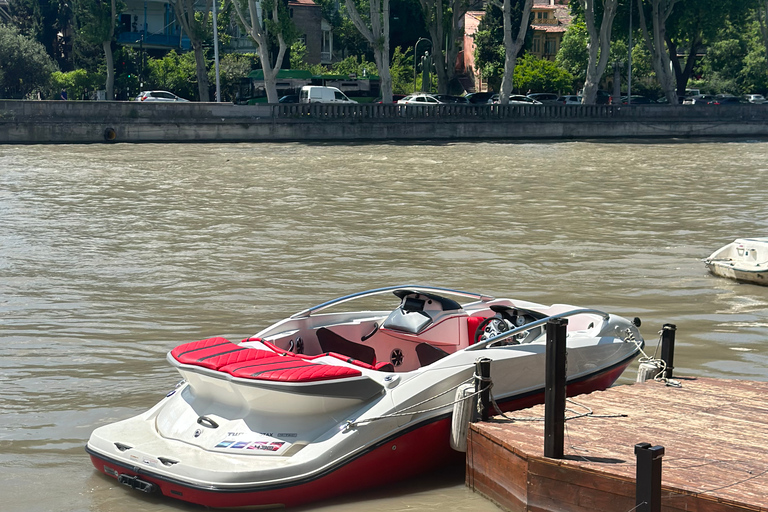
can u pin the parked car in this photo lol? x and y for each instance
(571, 99)
(158, 96)
(320, 94)
(449, 98)
(701, 99)
(519, 99)
(419, 99)
(680, 99)
(545, 98)
(395, 98)
(603, 98)
(479, 98)
(289, 98)
(725, 99)
(637, 99)
(755, 98)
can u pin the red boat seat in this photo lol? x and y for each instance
(215, 353)
(288, 369)
(473, 322)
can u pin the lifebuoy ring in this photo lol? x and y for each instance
(110, 134)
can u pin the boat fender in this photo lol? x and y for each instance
(110, 134)
(464, 407)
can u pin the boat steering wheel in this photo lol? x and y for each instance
(493, 326)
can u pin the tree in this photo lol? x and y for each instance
(276, 22)
(444, 20)
(512, 46)
(494, 44)
(697, 24)
(195, 27)
(599, 45)
(26, 66)
(45, 21)
(377, 36)
(540, 75)
(656, 41)
(573, 55)
(95, 23)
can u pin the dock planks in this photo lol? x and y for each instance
(715, 435)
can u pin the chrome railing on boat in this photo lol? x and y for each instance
(531, 325)
(378, 291)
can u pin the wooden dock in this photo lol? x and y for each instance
(715, 435)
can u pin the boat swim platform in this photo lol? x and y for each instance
(714, 433)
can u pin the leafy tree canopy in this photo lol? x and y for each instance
(24, 64)
(540, 75)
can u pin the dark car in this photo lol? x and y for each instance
(603, 98)
(638, 100)
(289, 98)
(545, 98)
(701, 99)
(448, 98)
(728, 100)
(480, 98)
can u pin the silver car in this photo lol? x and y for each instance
(158, 96)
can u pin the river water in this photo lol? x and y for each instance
(111, 255)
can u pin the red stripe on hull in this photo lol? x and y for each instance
(408, 455)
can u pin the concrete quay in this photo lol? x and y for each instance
(713, 432)
(82, 122)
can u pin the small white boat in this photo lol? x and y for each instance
(319, 405)
(745, 259)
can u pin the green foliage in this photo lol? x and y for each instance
(175, 73)
(232, 68)
(573, 55)
(24, 64)
(540, 75)
(401, 70)
(79, 84)
(44, 20)
(353, 65)
(735, 63)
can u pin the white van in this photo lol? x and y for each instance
(318, 94)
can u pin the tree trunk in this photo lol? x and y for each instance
(512, 46)
(599, 46)
(662, 65)
(107, 45)
(682, 75)
(257, 31)
(378, 39)
(110, 85)
(203, 87)
(185, 14)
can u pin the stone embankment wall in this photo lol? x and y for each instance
(52, 122)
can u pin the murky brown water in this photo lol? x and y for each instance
(112, 255)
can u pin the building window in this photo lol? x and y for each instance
(536, 45)
(550, 47)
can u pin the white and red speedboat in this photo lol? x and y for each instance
(322, 404)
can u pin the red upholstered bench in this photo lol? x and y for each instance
(215, 353)
(288, 369)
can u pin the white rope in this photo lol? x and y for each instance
(660, 364)
(351, 424)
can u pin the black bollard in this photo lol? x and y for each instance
(668, 348)
(483, 386)
(554, 391)
(648, 476)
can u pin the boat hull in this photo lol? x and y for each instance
(410, 452)
(744, 260)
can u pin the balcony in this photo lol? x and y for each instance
(158, 41)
